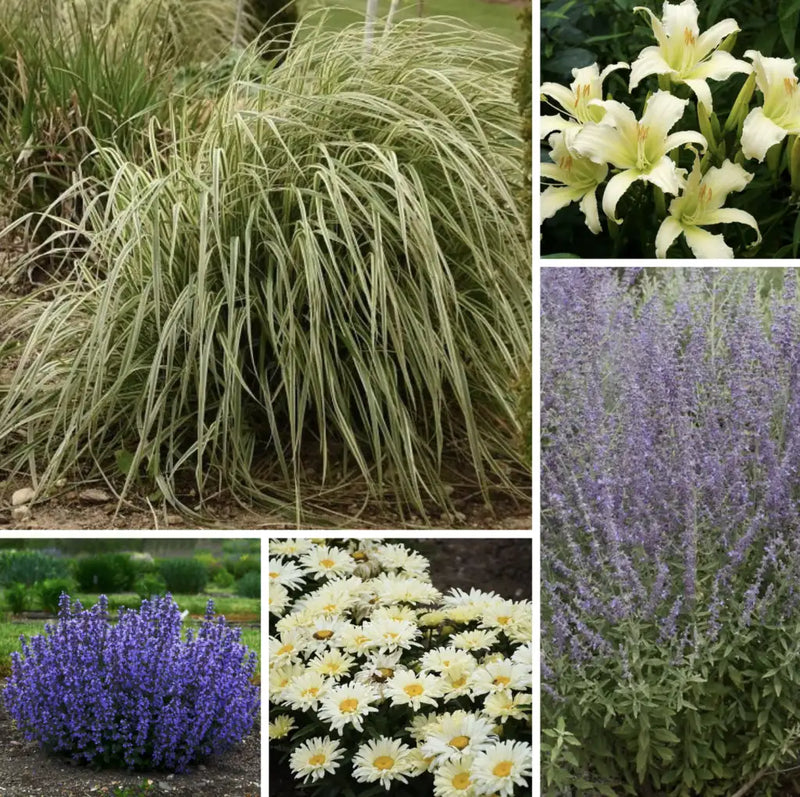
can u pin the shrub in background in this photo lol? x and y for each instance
(670, 526)
(107, 572)
(523, 94)
(48, 593)
(184, 576)
(27, 567)
(212, 563)
(149, 585)
(249, 585)
(17, 597)
(224, 579)
(242, 564)
(353, 281)
(144, 696)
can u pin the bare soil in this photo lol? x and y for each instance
(67, 510)
(26, 771)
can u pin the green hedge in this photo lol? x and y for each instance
(184, 576)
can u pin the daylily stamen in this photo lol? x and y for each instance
(789, 85)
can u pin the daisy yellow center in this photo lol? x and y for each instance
(383, 762)
(348, 706)
(460, 682)
(459, 742)
(331, 607)
(461, 781)
(273, 574)
(413, 690)
(327, 563)
(312, 690)
(317, 759)
(386, 672)
(323, 634)
(359, 556)
(390, 635)
(360, 640)
(501, 680)
(502, 770)
(332, 667)
(504, 620)
(285, 649)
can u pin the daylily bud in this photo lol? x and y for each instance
(728, 42)
(741, 105)
(794, 165)
(774, 154)
(705, 126)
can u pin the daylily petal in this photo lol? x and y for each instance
(552, 124)
(616, 187)
(655, 24)
(561, 94)
(556, 197)
(589, 207)
(617, 114)
(662, 112)
(731, 215)
(706, 246)
(602, 143)
(759, 133)
(649, 62)
(770, 70)
(669, 230)
(711, 38)
(679, 18)
(720, 66)
(684, 137)
(552, 171)
(702, 92)
(612, 68)
(724, 180)
(666, 175)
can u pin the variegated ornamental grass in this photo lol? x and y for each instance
(335, 261)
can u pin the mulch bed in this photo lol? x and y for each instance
(26, 771)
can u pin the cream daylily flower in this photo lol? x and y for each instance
(780, 114)
(700, 204)
(685, 54)
(577, 179)
(587, 86)
(638, 147)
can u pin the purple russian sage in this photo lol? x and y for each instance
(138, 692)
(670, 410)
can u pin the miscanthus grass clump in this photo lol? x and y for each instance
(328, 270)
(378, 679)
(671, 511)
(138, 693)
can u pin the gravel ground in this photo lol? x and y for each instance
(25, 771)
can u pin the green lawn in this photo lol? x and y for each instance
(497, 17)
